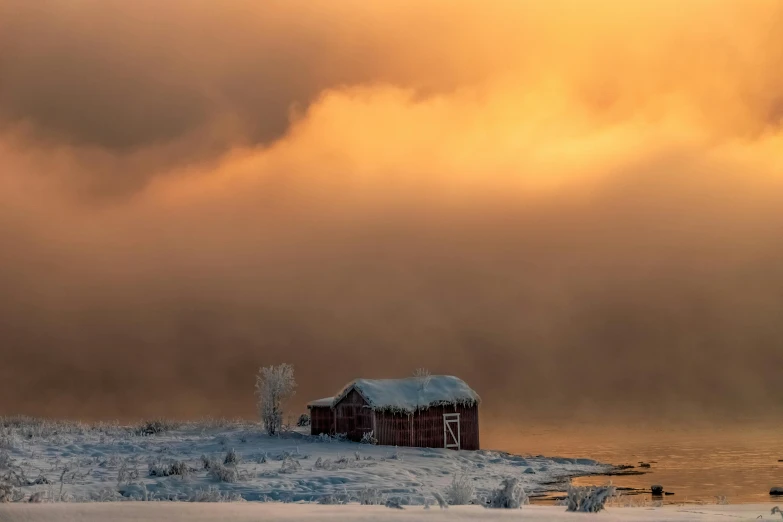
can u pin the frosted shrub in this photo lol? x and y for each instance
(5, 460)
(441, 501)
(232, 459)
(394, 503)
(511, 495)
(180, 468)
(370, 497)
(207, 462)
(588, 499)
(213, 494)
(274, 385)
(461, 491)
(126, 474)
(330, 465)
(290, 465)
(336, 498)
(304, 420)
(155, 427)
(221, 473)
(158, 469)
(166, 469)
(6, 492)
(368, 438)
(7, 441)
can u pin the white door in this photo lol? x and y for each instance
(451, 431)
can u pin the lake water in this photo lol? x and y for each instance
(696, 464)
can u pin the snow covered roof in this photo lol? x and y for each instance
(326, 401)
(409, 394)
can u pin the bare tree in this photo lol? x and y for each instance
(274, 385)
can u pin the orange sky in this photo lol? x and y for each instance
(510, 191)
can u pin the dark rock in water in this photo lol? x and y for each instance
(657, 490)
(776, 492)
(644, 465)
(530, 471)
(623, 470)
(668, 493)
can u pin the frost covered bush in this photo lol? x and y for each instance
(304, 420)
(394, 456)
(167, 469)
(370, 497)
(6, 492)
(155, 427)
(31, 427)
(158, 469)
(335, 499)
(126, 474)
(368, 438)
(221, 473)
(461, 491)
(588, 499)
(510, 495)
(327, 464)
(7, 441)
(290, 465)
(394, 503)
(5, 460)
(213, 494)
(274, 385)
(441, 501)
(231, 459)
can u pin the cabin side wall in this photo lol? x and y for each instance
(321, 420)
(353, 416)
(425, 428)
(392, 429)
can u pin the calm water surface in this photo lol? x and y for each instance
(694, 464)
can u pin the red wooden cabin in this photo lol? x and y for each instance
(438, 411)
(321, 416)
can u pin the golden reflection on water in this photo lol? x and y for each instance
(696, 464)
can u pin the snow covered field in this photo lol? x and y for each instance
(253, 512)
(195, 462)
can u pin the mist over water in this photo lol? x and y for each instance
(574, 208)
(695, 462)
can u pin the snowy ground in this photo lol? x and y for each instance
(253, 512)
(80, 463)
